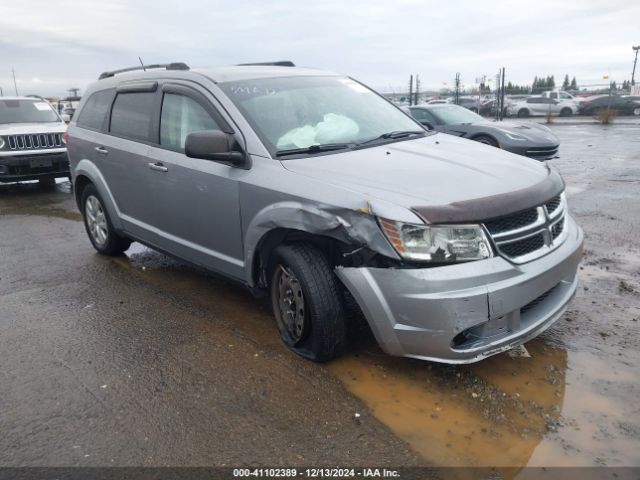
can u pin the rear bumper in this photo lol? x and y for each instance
(466, 312)
(16, 168)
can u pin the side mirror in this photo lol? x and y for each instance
(214, 145)
(427, 124)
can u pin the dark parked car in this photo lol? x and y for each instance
(529, 139)
(472, 104)
(489, 107)
(635, 101)
(595, 104)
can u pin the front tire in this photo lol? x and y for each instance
(566, 112)
(523, 113)
(636, 111)
(307, 302)
(98, 225)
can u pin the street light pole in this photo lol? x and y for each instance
(633, 74)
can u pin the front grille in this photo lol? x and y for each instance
(557, 229)
(523, 247)
(530, 233)
(553, 204)
(34, 141)
(512, 222)
(542, 153)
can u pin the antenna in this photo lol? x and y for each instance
(142, 64)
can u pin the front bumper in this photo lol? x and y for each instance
(535, 151)
(466, 312)
(17, 168)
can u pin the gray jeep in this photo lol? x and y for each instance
(32, 144)
(309, 187)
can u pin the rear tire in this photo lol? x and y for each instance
(486, 140)
(636, 111)
(307, 302)
(98, 225)
(523, 113)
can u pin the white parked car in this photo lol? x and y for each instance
(540, 106)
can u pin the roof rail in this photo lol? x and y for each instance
(166, 66)
(281, 63)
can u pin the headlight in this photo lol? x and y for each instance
(1, 143)
(437, 243)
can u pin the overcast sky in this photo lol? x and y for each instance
(56, 45)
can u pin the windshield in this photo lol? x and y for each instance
(455, 115)
(298, 112)
(26, 111)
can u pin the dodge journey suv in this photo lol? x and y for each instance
(310, 188)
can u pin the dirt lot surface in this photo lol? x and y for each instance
(141, 360)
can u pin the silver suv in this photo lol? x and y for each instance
(309, 187)
(32, 144)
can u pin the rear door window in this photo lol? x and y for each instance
(95, 113)
(182, 115)
(132, 115)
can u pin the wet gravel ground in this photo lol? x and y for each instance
(141, 360)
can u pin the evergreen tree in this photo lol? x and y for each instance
(565, 83)
(574, 84)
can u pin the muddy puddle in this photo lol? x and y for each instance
(34, 200)
(552, 407)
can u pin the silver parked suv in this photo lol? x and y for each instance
(31, 141)
(309, 187)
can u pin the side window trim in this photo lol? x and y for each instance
(165, 146)
(106, 122)
(154, 124)
(201, 100)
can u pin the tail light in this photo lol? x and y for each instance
(585, 104)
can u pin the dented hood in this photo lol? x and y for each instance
(433, 171)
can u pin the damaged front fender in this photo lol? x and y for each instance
(352, 227)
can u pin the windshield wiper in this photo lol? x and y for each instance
(325, 147)
(392, 135)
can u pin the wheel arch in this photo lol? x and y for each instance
(87, 173)
(333, 229)
(484, 134)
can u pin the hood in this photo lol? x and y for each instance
(532, 131)
(24, 128)
(434, 170)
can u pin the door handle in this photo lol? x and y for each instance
(101, 150)
(158, 167)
